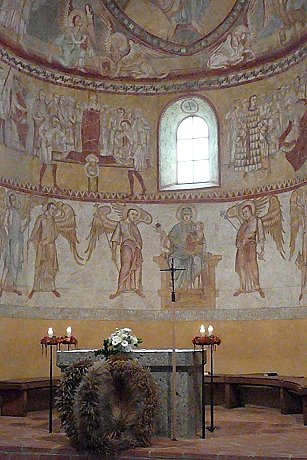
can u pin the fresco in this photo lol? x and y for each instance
(242, 255)
(263, 126)
(149, 39)
(112, 142)
(255, 223)
(184, 247)
(125, 244)
(56, 128)
(298, 215)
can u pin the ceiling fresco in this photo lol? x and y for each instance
(149, 40)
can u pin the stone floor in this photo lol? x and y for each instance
(244, 433)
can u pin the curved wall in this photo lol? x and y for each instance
(76, 278)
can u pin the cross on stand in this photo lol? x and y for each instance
(173, 270)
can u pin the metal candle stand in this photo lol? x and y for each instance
(54, 342)
(203, 341)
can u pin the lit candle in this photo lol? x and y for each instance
(210, 330)
(68, 331)
(202, 331)
(50, 332)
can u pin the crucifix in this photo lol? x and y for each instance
(173, 270)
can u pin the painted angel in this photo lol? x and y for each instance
(78, 41)
(57, 219)
(298, 221)
(250, 240)
(125, 243)
(14, 221)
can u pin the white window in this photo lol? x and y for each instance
(188, 145)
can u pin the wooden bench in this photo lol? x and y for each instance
(289, 394)
(20, 396)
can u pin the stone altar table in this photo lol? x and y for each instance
(188, 379)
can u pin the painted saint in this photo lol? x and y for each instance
(298, 222)
(126, 244)
(250, 239)
(13, 228)
(57, 219)
(78, 42)
(187, 247)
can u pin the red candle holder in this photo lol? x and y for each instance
(212, 341)
(206, 340)
(54, 342)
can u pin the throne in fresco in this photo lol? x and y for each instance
(204, 292)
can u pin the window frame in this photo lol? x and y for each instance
(171, 118)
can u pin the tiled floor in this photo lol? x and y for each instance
(244, 433)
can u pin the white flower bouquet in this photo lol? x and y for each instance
(120, 341)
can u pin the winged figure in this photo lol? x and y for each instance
(15, 213)
(257, 218)
(78, 40)
(125, 237)
(57, 219)
(298, 222)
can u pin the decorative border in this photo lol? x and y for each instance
(170, 47)
(100, 314)
(200, 83)
(184, 196)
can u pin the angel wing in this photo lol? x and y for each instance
(101, 223)
(252, 16)
(123, 209)
(67, 227)
(2, 205)
(260, 204)
(2, 214)
(26, 204)
(272, 223)
(65, 8)
(296, 219)
(105, 32)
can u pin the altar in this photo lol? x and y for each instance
(159, 362)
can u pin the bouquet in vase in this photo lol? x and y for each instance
(119, 342)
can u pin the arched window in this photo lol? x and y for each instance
(188, 145)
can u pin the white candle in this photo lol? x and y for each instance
(50, 332)
(210, 330)
(68, 331)
(202, 331)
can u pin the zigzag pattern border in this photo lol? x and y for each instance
(203, 83)
(159, 197)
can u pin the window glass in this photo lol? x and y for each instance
(188, 145)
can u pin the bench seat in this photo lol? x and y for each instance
(20, 396)
(289, 394)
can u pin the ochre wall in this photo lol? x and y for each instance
(262, 326)
(247, 346)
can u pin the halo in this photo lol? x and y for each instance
(73, 13)
(182, 207)
(129, 208)
(56, 203)
(143, 216)
(244, 204)
(12, 193)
